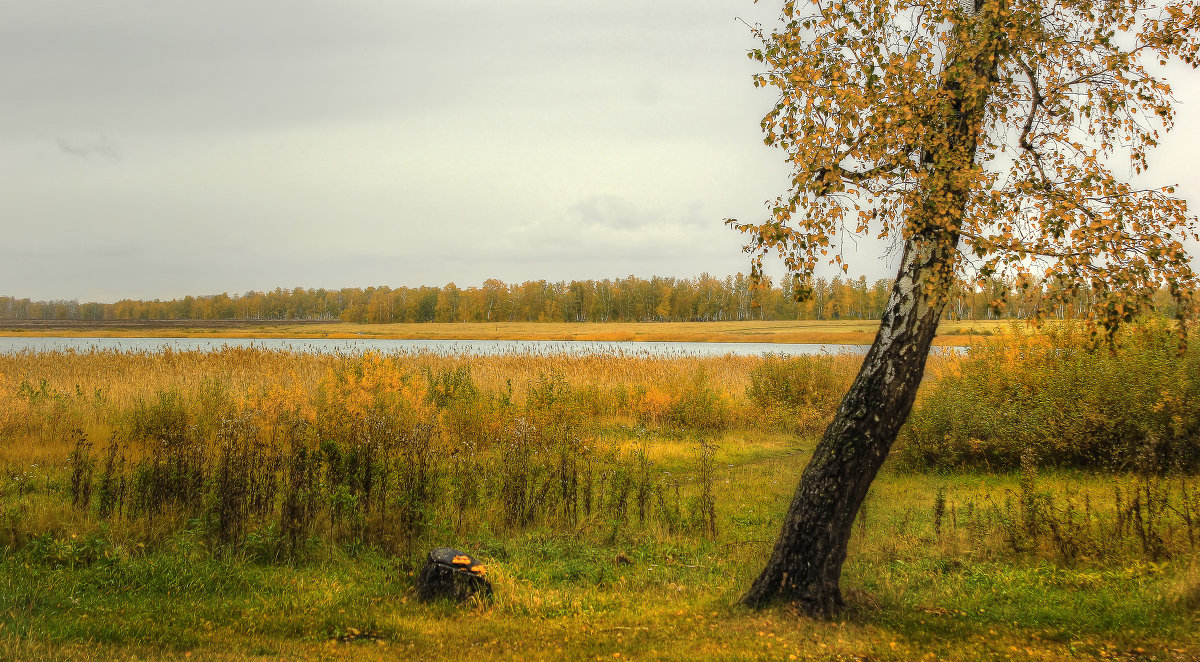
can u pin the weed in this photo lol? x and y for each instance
(82, 467)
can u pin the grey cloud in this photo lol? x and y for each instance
(102, 147)
(608, 211)
(620, 230)
(614, 212)
(373, 142)
(223, 64)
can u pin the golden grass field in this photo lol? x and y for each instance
(961, 563)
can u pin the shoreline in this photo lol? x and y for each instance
(843, 332)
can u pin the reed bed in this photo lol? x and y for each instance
(283, 452)
(287, 451)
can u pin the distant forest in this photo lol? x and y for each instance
(701, 299)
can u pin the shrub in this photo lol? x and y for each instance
(699, 407)
(800, 393)
(1058, 398)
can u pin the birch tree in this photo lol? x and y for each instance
(982, 138)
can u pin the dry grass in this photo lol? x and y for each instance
(840, 332)
(121, 377)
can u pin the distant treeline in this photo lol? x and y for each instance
(701, 299)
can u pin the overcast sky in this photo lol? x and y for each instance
(153, 149)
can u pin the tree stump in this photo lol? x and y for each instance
(453, 575)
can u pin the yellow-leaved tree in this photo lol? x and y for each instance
(980, 136)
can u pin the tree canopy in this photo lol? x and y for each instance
(1071, 89)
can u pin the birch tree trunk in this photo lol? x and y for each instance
(806, 563)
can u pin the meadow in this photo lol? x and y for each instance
(960, 332)
(240, 504)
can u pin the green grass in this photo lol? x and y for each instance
(642, 594)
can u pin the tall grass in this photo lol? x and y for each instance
(800, 394)
(1060, 398)
(283, 454)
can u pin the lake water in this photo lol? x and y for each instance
(449, 347)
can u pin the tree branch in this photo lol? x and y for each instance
(1037, 101)
(858, 177)
(1018, 247)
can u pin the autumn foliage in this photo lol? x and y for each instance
(869, 91)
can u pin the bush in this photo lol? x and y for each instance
(1059, 398)
(800, 393)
